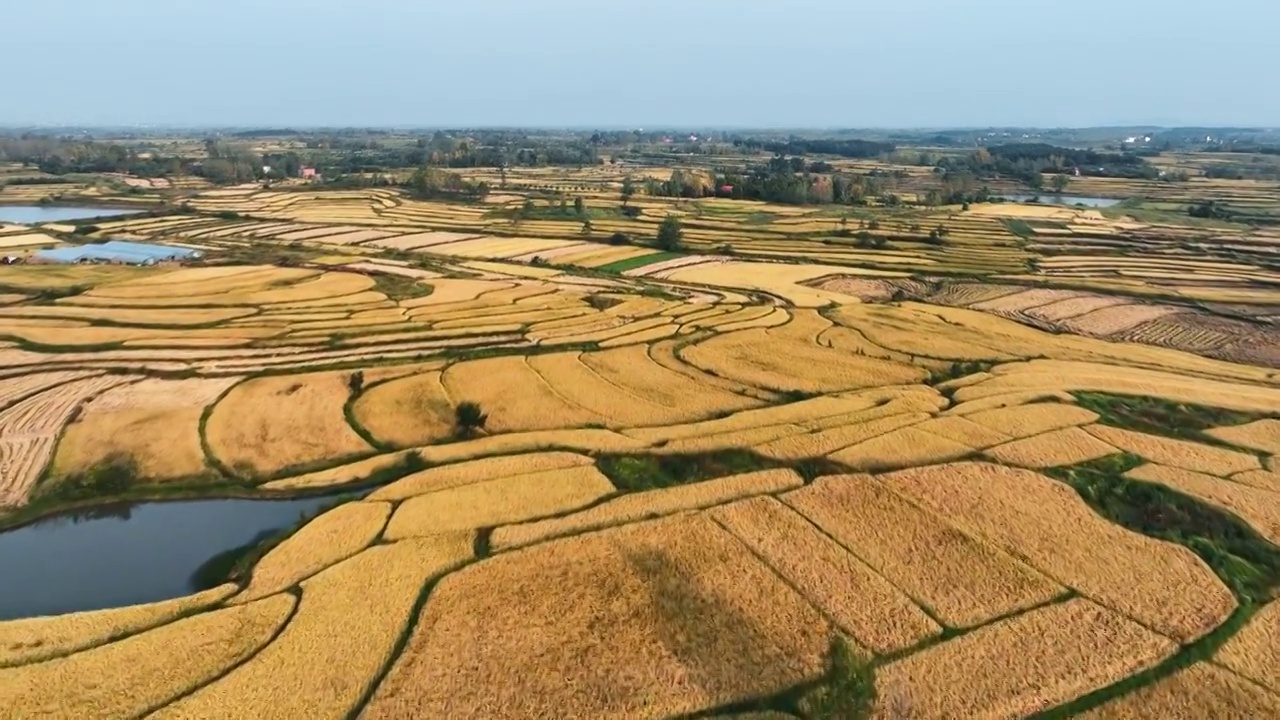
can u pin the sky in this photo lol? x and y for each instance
(672, 63)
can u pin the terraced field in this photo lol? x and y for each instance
(617, 483)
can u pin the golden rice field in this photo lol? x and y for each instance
(1038, 484)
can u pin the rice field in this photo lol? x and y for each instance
(329, 337)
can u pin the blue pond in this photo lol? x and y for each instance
(125, 554)
(34, 214)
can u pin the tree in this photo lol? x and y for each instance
(355, 382)
(848, 691)
(1060, 183)
(579, 207)
(670, 234)
(469, 418)
(619, 239)
(628, 189)
(587, 229)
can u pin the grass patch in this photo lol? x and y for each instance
(637, 262)
(397, 287)
(1157, 416)
(634, 473)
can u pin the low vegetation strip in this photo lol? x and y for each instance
(327, 540)
(1046, 657)
(962, 581)
(702, 622)
(35, 639)
(1164, 586)
(1254, 652)
(646, 505)
(140, 673)
(860, 602)
(498, 502)
(447, 477)
(1259, 508)
(346, 627)
(1201, 691)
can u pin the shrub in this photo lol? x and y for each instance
(619, 239)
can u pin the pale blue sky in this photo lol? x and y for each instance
(810, 63)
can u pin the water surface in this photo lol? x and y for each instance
(36, 214)
(130, 553)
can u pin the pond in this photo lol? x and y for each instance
(1093, 202)
(126, 554)
(36, 214)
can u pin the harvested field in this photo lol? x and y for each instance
(860, 602)
(515, 396)
(1177, 453)
(1117, 319)
(1201, 691)
(409, 411)
(16, 388)
(1164, 586)
(1258, 508)
(327, 540)
(28, 429)
(143, 672)
(671, 592)
(498, 502)
(1261, 435)
(964, 582)
(1069, 446)
(647, 505)
(1074, 307)
(344, 633)
(154, 422)
(447, 477)
(266, 425)
(1046, 657)
(41, 638)
(1254, 652)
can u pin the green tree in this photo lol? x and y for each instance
(1060, 183)
(355, 381)
(670, 234)
(587, 229)
(628, 190)
(849, 691)
(579, 207)
(469, 418)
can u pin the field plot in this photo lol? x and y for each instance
(1201, 691)
(266, 425)
(963, 581)
(1023, 664)
(1164, 586)
(28, 429)
(144, 671)
(153, 423)
(669, 592)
